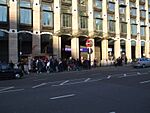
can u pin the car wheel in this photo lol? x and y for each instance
(143, 66)
(17, 76)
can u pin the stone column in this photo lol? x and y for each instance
(56, 38)
(117, 38)
(91, 27)
(104, 51)
(36, 45)
(13, 40)
(128, 41)
(104, 42)
(138, 41)
(75, 46)
(57, 46)
(147, 46)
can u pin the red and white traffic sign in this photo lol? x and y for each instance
(89, 43)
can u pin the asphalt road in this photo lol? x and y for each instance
(101, 90)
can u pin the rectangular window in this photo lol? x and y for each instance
(97, 14)
(132, 4)
(111, 7)
(142, 22)
(133, 29)
(111, 26)
(66, 20)
(25, 4)
(122, 10)
(133, 21)
(133, 12)
(3, 13)
(25, 13)
(143, 13)
(25, 16)
(123, 28)
(142, 7)
(83, 22)
(111, 17)
(98, 4)
(3, 2)
(142, 31)
(47, 15)
(47, 19)
(98, 24)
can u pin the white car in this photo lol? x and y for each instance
(141, 62)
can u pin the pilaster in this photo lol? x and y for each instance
(117, 38)
(13, 40)
(147, 45)
(138, 42)
(104, 42)
(75, 40)
(36, 45)
(56, 37)
(128, 40)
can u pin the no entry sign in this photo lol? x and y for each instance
(89, 43)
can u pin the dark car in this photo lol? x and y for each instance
(6, 71)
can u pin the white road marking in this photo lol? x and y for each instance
(124, 75)
(7, 88)
(109, 77)
(16, 90)
(112, 112)
(64, 82)
(138, 73)
(87, 80)
(143, 82)
(63, 96)
(42, 84)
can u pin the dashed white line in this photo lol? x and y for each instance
(64, 82)
(63, 96)
(87, 80)
(42, 84)
(7, 88)
(143, 82)
(108, 77)
(16, 90)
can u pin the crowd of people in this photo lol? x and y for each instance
(39, 65)
(53, 65)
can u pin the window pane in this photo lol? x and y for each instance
(83, 22)
(142, 31)
(123, 28)
(47, 19)
(97, 14)
(133, 29)
(98, 4)
(25, 16)
(3, 1)
(98, 24)
(112, 26)
(122, 10)
(25, 4)
(66, 19)
(111, 7)
(133, 11)
(47, 7)
(3, 13)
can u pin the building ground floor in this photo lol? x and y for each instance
(16, 45)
